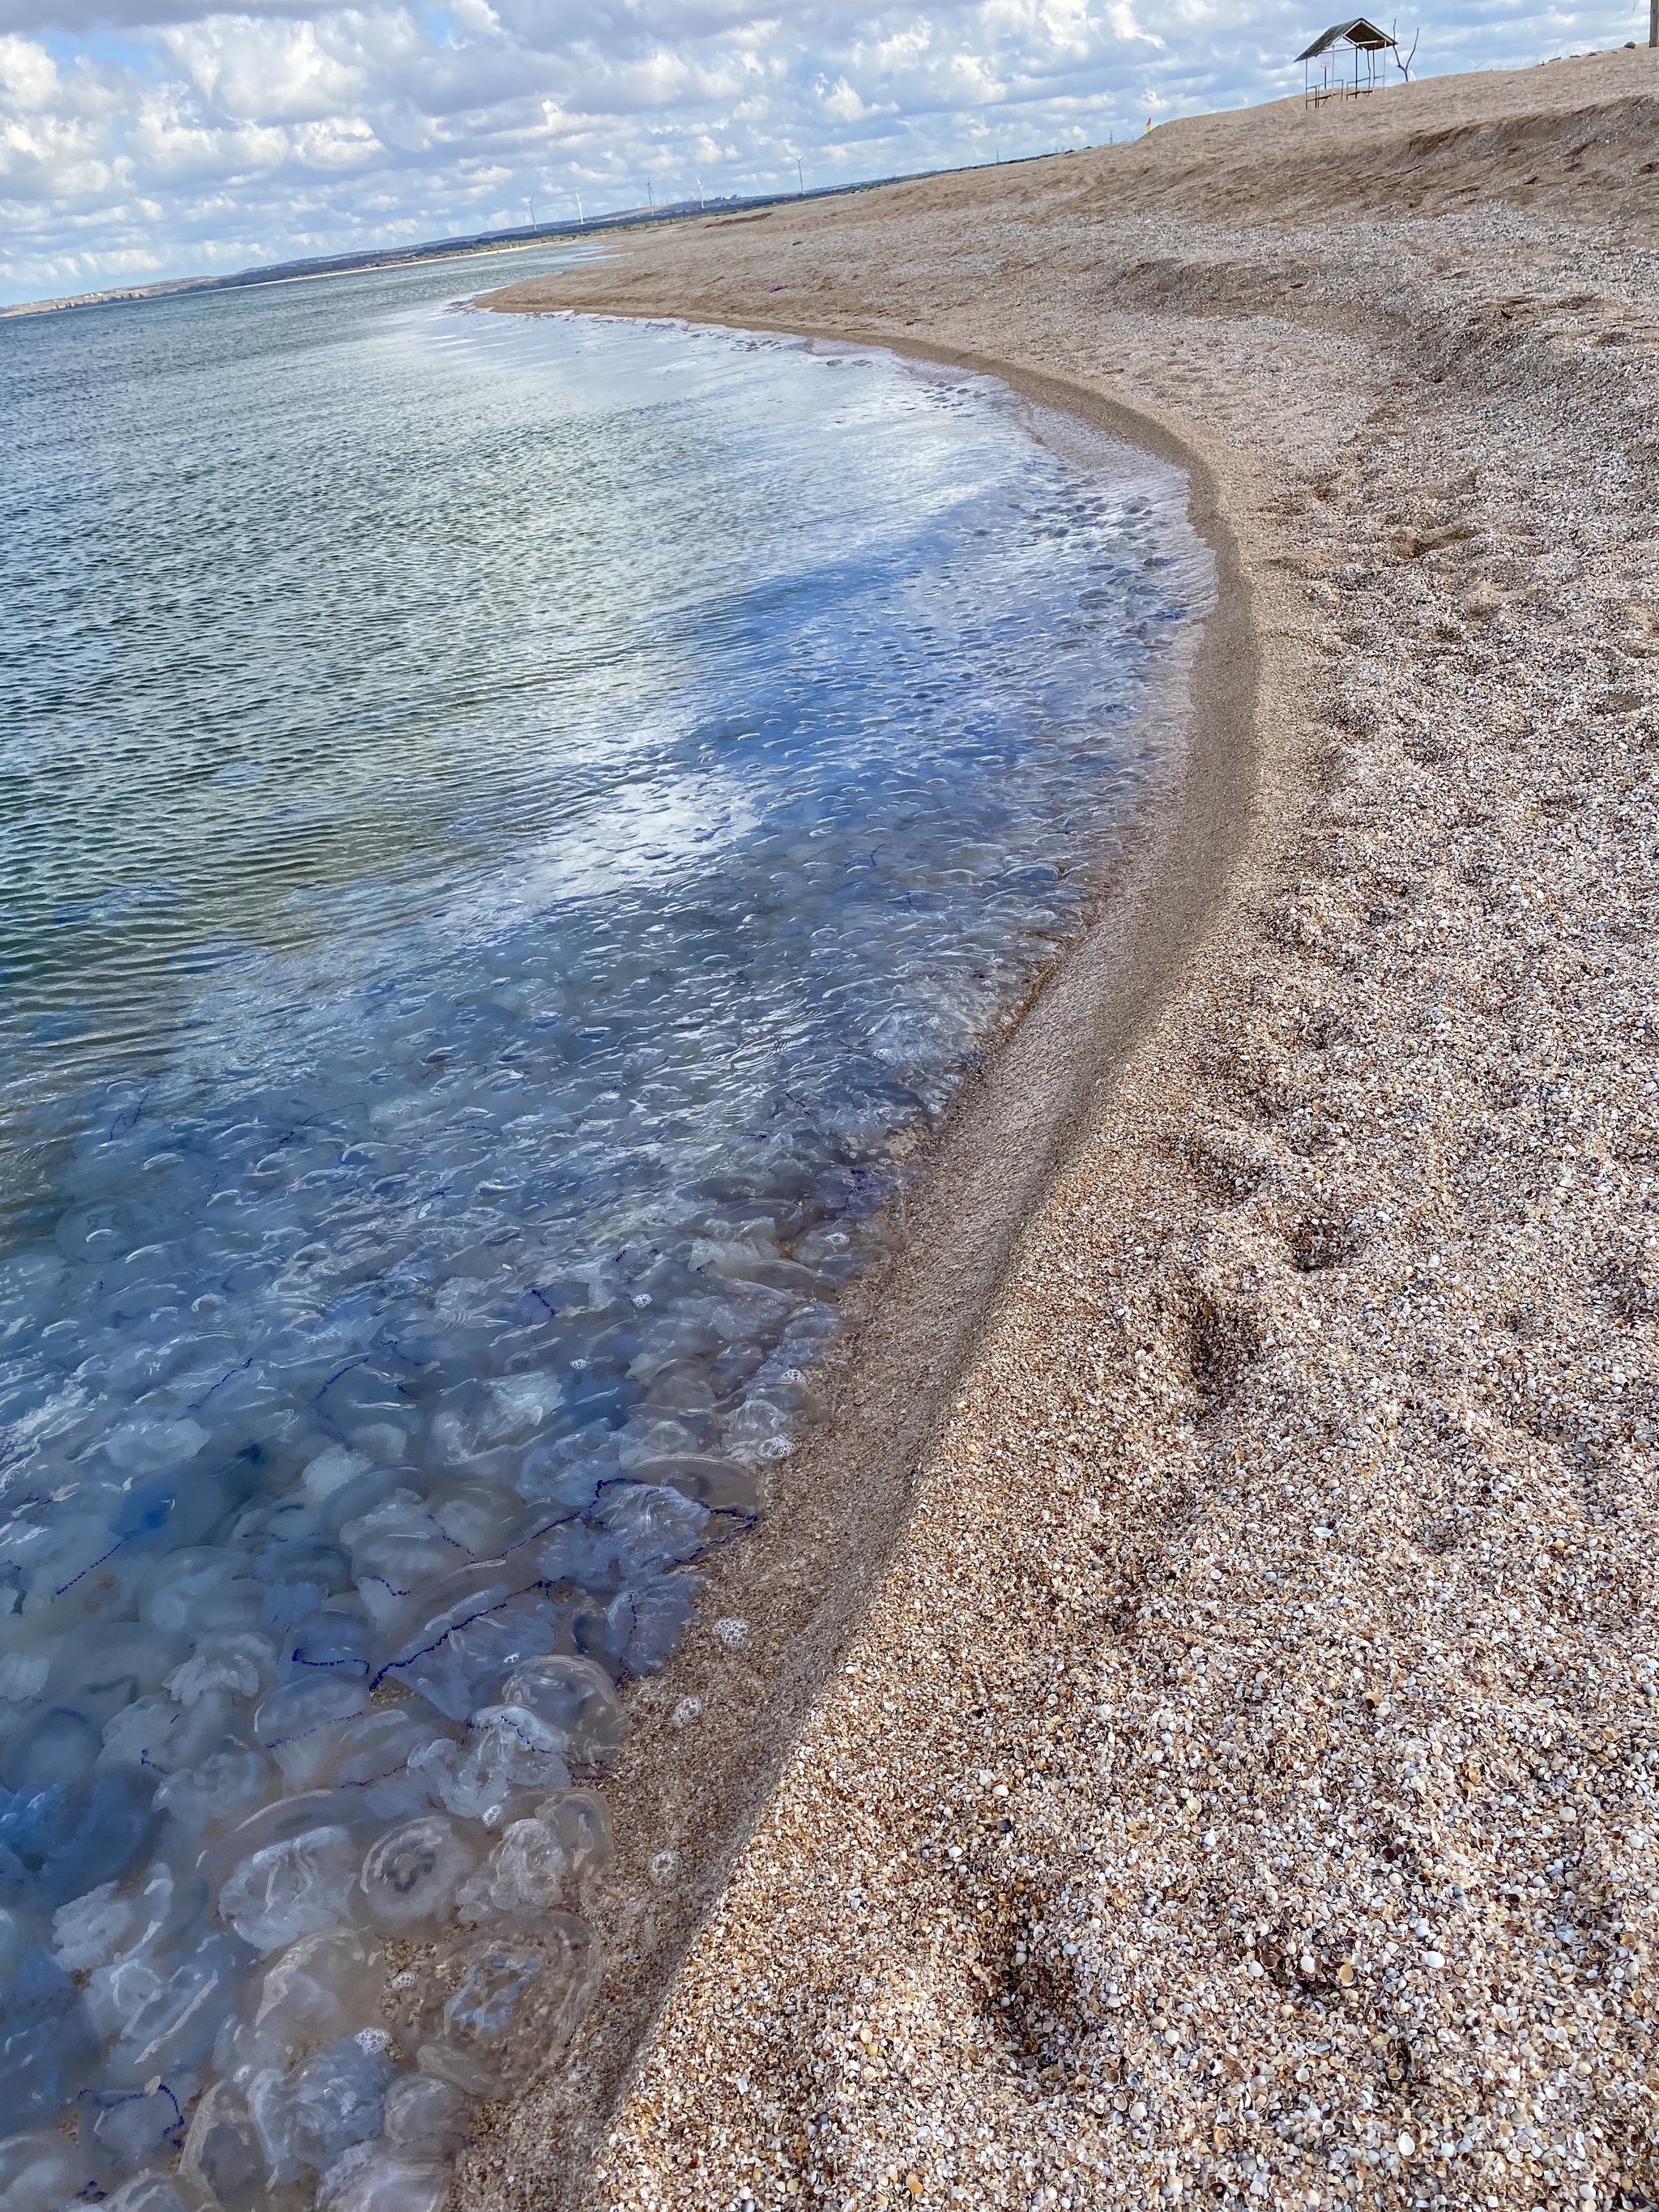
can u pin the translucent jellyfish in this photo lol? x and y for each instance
(374, 2180)
(331, 1469)
(428, 2118)
(47, 2042)
(509, 1754)
(525, 1876)
(292, 1888)
(40, 2172)
(123, 2130)
(165, 1737)
(478, 1423)
(579, 1824)
(484, 1518)
(577, 1553)
(118, 1993)
(378, 1745)
(284, 1817)
(320, 1988)
(170, 1907)
(409, 1877)
(642, 1624)
(176, 1585)
(298, 1561)
(335, 2099)
(23, 1676)
(720, 1484)
(456, 1665)
(99, 1669)
(224, 2159)
(518, 2002)
(149, 2192)
(574, 1696)
(299, 1723)
(653, 1528)
(396, 1549)
(90, 1930)
(356, 1497)
(222, 1792)
(427, 1635)
(330, 1641)
(58, 1747)
(131, 1945)
(172, 2030)
(240, 1664)
(72, 1839)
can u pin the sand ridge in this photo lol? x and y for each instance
(1242, 1786)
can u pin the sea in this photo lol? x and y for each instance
(514, 831)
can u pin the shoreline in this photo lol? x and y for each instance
(1243, 1784)
(915, 1321)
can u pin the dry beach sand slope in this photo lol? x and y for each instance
(1243, 1786)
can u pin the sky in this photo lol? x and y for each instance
(149, 138)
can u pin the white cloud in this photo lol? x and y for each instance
(170, 136)
(28, 76)
(841, 101)
(249, 70)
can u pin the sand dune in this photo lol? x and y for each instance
(1577, 137)
(1242, 1787)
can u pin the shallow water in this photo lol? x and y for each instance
(512, 830)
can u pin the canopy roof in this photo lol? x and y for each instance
(1360, 32)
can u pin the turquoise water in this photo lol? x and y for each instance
(510, 828)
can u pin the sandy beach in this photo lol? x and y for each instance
(1205, 1748)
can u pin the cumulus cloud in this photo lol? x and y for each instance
(150, 136)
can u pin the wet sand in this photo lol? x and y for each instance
(1236, 1781)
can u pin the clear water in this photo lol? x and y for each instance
(510, 830)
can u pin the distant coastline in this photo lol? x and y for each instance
(479, 243)
(337, 264)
